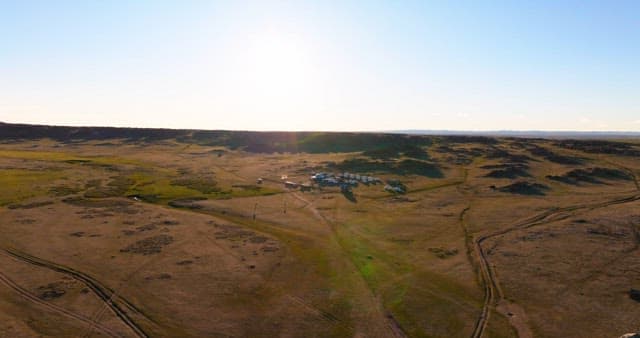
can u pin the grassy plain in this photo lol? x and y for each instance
(174, 237)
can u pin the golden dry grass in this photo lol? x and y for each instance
(309, 263)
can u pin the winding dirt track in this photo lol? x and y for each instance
(493, 293)
(55, 308)
(104, 293)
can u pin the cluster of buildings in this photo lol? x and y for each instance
(395, 189)
(345, 180)
(395, 186)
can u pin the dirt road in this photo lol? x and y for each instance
(52, 307)
(120, 306)
(493, 293)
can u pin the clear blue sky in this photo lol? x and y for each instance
(322, 65)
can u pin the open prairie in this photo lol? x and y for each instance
(110, 232)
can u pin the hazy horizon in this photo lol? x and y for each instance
(334, 66)
(441, 132)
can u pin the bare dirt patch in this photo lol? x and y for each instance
(160, 276)
(149, 246)
(97, 203)
(443, 253)
(54, 290)
(231, 232)
(30, 205)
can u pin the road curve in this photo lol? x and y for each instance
(493, 293)
(103, 292)
(55, 308)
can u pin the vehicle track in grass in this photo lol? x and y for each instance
(119, 305)
(636, 181)
(493, 292)
(392, 327)
(271, 229)
(28, 296)
(105, 308)
(491, 284)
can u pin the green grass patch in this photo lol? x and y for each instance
(55, 156)
(64, 190)
(19, 184)
(163, 189)
(164, 186)
(205, 185)
(260, 191)
(117, 186)
(423, 303)
(375, 266)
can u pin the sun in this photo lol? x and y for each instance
(279, 63)
(277, 73)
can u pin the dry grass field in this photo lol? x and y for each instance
(127, 233)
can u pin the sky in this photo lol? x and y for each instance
(322, 65)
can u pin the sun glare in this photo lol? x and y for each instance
(279, 64)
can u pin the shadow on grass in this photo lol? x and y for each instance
(525, 188)
(404, 167)
(348, 194)
(591, 175)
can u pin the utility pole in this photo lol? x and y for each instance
(255, 207)
(284, 203)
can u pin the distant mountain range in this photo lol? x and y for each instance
(32, 131)
(524, 133)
